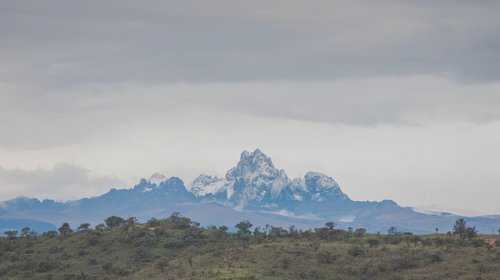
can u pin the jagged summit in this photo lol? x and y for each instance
(253, 189)
(206, 184)
(256, 183)
(157, 178)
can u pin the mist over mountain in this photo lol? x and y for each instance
(252, 190)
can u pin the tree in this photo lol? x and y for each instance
(437, 230)
(84, 227)
(114, 221)
(65, 229)
(11, 234)
(294, 232)
(470, 232)
(359, 232)
(100, 227)
(392, 231)
(51, 233)
(244, 227)
(175, 217)
(25, 231)
(460, 227)
(129, 224)
(223, 228)
(330, 225)
(153, 222)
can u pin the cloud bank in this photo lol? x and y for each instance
(62, 181)
(59, 43)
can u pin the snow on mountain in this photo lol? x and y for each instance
(256, 183)
(254, 189)
(321, 186)
(205, 184)
(255, 180)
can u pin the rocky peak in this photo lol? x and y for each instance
(157, 178)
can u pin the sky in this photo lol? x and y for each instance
(393, 99)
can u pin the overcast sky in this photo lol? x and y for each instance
(394, 99)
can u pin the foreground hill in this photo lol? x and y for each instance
(254, 190)
(177, 248)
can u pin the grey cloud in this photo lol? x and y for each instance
(61, 43)
(63, 181)
(36, 121)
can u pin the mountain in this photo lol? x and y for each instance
(255, 184)
(254, 189)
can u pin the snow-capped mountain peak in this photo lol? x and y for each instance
(321, 186)
(205, 184)
(253, 166)
(255, 180)
(255, 183)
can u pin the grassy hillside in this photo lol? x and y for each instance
(177, 248)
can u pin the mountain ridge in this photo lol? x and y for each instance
(253, 189)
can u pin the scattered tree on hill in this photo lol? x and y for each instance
(129, 224)
(114, 221)
(65, 229)
(25, 231)
(470, 232)
(392, 231)
(100, 227)
(175, 217)
(460, 227)
(330, 225)
(50, 233)
(11, 234)
(223, 228)
(84, 227)
(244, 227)
(359, 232)
(153, 222)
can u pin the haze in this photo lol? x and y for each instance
(395, 99)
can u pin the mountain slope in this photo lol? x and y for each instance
(254, 189)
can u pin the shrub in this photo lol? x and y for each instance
(326, 257)
(372, 242)
(356, 251)
(436, 257)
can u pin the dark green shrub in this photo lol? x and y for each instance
(356, 251)
(372, 242)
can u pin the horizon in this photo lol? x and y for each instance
(394, 100)
(432, 209)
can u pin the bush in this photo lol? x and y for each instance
(326, 257)
(373, 242)
(436, 257)
(477, 243)
(356, 251)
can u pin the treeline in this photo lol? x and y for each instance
(246, 231)
(179, 248)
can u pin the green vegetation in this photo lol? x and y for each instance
(178, 248)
